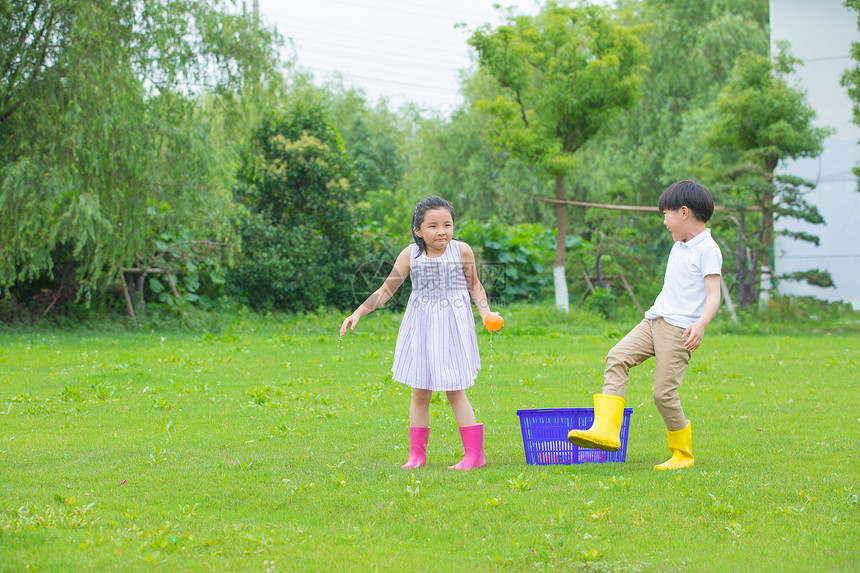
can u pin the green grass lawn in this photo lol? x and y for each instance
(265, 444)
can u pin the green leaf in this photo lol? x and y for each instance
(155, 285)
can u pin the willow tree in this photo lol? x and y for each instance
(107, 151)
(561, 75)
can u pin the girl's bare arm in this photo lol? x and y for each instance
(381, 295)
(473, 283)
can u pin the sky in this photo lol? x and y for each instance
(399, 50)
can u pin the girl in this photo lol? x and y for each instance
(437, 348)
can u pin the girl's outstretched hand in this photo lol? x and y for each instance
(493, 321)
(349, 322)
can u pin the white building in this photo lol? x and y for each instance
(821, 33)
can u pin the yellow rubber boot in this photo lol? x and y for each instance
(681, 444)
(605, 432)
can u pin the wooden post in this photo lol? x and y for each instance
(727, 296)
(172, 285)
(59, 292)
(174, 290)
(589, 286)
(141, 282)
(562, 298)
(128, 304)
(630, 291)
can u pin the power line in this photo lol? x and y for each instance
(422, 87)
(849, 256)
(333, 38)
(646, 208)
(327, 31)
(379, 81)
(397, 7)
(352, 51)
(358, 78)
(395, 82)
(428, 80)
(825, 59)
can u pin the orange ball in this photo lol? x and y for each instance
(493, 322)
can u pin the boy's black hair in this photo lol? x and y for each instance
(691, 194)
(421, 209)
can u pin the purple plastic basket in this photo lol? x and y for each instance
(545, 436)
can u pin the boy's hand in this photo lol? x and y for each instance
(694, 334)
(696, 331)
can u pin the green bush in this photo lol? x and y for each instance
(602, 300)
(281, 267)
(298, 242)
(513, 260)
(390, 212)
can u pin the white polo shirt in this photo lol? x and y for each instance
(682, 300)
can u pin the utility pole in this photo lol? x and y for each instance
(256, 8)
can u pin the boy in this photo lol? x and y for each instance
(670, 331)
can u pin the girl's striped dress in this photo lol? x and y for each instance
(437, 347)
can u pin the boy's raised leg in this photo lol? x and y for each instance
(605, 432)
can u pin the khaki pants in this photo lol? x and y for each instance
(657, 338)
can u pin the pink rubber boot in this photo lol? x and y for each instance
(473, 444)
(418, 448)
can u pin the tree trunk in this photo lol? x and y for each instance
(756, 267)
(128, 304)
(741, 259)
(765, 271)
(754, 277)
(767, 229)
(141, 281)
(598, 271)
(747, 275)
(561, 295)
